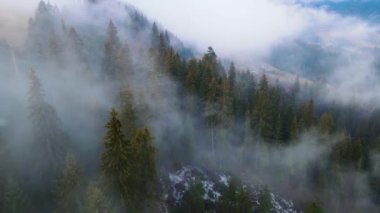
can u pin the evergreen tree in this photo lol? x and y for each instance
(49, 140)
(209, 67)
(262, 112)
(232, 75)
(155, 36)
(235, 199)
(192, 77)
(294, 129)
(325, 124)
(129, 119)
(313, 208)
(15, 199)
(77, 49)
(68, 189)
(226, 103)
(248, 134)
(307, 115)
(143, 169)
(111, 50)
(211, 111)
(116, 161)
(128, 165)
(192, 85)
(95, 201)
(264, 85)
(265, 202)
(123, 64)
(192, 200)
(55, 48)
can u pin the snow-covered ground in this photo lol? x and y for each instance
(180, 181)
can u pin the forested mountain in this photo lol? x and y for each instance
(103, 110)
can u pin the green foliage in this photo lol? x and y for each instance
(313, 208)
(235, 198)
(68, 189)
(49, 142)
(226, 102)
(15, 199)
(192, 200)
(294, 129)
(111, 52)
(325, 124)
(128, 117)
(95, 201)
(262, 112)
(307, 115)
(265, 201)
(128, 166)
(143, 169)
(115, 160)
(349, 153)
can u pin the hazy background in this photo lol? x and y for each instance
(231, 26)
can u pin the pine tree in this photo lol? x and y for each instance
(116, 161)
(325, 124)
(155, 37)
(313, 208)
(111, 50)
(55, 48)
(262, 112)
(49, 142)
(211, 111)
(68, 189)
(248, 134)
(95, 201)
(307, 115)
(192, 200)
(294, 129)
(235, 199)
(209, 67)
(192, 77)
(76, 47)
(123, 64)
(143, 170)
(226, 102)
(265, 201)
(264, 85)
(15, 199)
(232, 75)
(128, 115)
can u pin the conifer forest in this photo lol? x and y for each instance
(118, 106)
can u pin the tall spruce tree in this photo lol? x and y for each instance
(15, 199)
(226, 103)
(325, 124)
(265, 201)
(128, 116)
(116, 161)
(68, 189)
(111, 52)
(143, 169)
(211, 111)
(95, 201)
(49, 142)
(262, 112)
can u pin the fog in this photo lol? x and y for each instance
(242, 30)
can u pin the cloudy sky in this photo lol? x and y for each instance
(232, 26)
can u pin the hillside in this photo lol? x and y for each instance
(104, 110)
